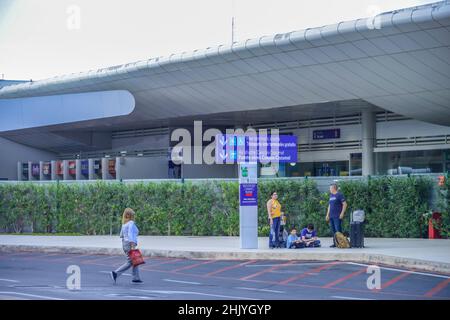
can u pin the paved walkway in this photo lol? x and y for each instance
(421, 254)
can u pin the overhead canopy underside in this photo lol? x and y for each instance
(398, 61)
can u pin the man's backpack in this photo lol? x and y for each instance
(341, 240)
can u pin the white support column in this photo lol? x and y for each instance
(349, 164)
(91, 169)
(119, 162)
(41, 170)
(368, 126)
(78, 169)
(30, 176)
(105, 173)
(53, 170)
(19, 171)
(66, 170)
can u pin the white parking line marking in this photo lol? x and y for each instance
(262, 290)
(123, 274)
(36, 287)
(9, 280)
(195, 293)
(291, 265)
(293, 272)
(179, 281)
(30, 295)
(350, 298)
(127, 296)
(399, 270)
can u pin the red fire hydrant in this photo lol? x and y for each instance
(433, 232)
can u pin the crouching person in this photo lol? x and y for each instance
(309, 236)
(293, 241)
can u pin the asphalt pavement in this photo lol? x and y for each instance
(31, 275)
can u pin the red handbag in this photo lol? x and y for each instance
(136, 257)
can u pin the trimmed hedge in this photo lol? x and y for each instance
(394, 207)
(444, 208)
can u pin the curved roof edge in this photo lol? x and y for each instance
(397, 21)
(33, 112)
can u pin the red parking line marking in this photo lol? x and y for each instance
(308, 273)
(73, 256)
(96, 263)
(7, 254)
(400, 294)
(295, 284)
(41, 256)
(48, 255)
(166, 262)
(104, 261)
(351, 275)
(267, 270)
(229, 268)
(341, 289)
(97, 259)
(194, 265)
(441, 285)
(393, 280)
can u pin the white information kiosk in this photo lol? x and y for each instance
(248, 205)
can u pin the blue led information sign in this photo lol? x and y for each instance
(255, 148)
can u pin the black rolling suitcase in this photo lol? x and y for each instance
(357, 229)
(357, 234)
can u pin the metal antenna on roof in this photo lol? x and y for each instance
(232, 20)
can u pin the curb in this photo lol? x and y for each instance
(386, 260)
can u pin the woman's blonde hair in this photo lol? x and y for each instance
(128, 214)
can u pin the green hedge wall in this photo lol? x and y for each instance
(394, 207)
(444, 207)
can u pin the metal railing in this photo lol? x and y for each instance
(413, 141)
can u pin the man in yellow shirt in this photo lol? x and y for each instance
(274, 213)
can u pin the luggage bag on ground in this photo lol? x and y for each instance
(341, 240)
(357, 234)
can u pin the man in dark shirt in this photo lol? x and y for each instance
(336, 209)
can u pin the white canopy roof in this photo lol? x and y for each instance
(398, 60)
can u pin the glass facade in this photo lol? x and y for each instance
(447, 161)
(386, 163)
(317, 169)
(404, 162)
(356, 164)
(270, 171)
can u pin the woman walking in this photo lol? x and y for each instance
(129, 234)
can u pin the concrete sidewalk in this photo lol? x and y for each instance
(420, 254)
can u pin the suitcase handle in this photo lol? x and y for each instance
(351, 215)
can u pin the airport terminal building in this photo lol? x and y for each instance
(364, 97)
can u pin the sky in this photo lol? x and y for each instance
(44, 38)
